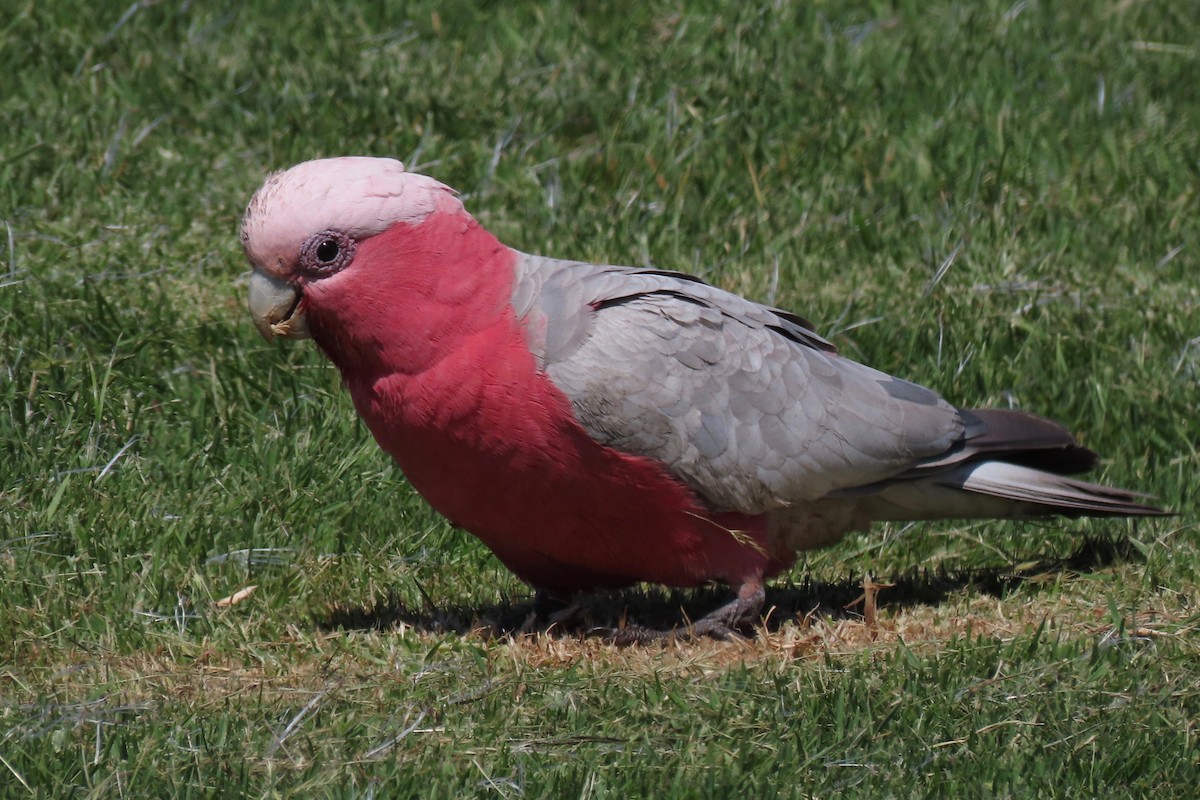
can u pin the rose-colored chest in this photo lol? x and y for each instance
(440, 369)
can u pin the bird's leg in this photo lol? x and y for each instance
(550, 610)
(724, 622)
(547, 604)
(721, 624)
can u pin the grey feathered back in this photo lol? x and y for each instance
(743, 402)
(757, 413)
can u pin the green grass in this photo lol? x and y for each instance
(997, 200)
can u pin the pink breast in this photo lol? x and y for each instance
(493, 445)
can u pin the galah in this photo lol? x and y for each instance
(599, 426)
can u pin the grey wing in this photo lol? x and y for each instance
(742, 402)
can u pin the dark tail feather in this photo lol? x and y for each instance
(1015, 437)
(1008, 464)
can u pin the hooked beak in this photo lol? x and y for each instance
(275, 307)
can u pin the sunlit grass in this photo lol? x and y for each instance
(997, 200)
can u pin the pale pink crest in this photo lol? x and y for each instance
(356, 195)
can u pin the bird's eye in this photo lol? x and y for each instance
(326, 252)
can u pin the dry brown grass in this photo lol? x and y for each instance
(919, 628)
(363, 655)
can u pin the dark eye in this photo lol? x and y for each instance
(326, 252)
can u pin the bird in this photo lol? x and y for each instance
(599, 426)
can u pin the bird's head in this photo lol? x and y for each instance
(304, 227)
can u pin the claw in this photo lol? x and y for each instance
(723, 624)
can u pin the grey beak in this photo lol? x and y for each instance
(275, 307)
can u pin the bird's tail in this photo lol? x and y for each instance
(1009, 464)
(1000, 489)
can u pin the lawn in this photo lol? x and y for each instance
(212, 583)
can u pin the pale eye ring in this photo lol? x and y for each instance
(327, 252)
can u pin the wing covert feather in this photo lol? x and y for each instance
(744, 403)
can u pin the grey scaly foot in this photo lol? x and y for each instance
(721, 624)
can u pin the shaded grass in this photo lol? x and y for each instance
(996, 200)
(600, 614)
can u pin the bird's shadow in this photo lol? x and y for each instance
(662, 609)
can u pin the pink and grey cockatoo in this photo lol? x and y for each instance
(599, 426)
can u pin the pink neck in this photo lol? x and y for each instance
(411, 295)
